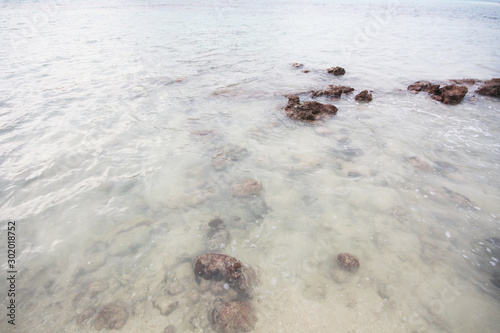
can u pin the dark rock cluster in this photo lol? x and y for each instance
(332, 91)
(450, 94)
(231, 280)
(308, 111)
(221, 269)
(337, 71)
(364, 96)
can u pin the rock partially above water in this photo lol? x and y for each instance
(348, 262)
(233, 317)
(332, 91)
(490, 88)
(336, 71)
(112, 316)
(246, 188)
(364, 96)
(308, 111)
(424, 86)
(223, 268)
(452, 94)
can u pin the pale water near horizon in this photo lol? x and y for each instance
(112, 113)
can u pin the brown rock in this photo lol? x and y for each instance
(348, 262)
(332, 91)
(112, 316)
(490, 88)
(297, 65)
(336, 71)
(424, 86)
(452, 94)
(246, 188)
(223, 268)
(308, 111)
(364, 96)
(233, 317)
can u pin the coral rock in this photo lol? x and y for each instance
(308, 111)
(233, 317)
(336, 71)
(490, 88)
(348, 262)
(332, 91)
(424, 86)
(364, 96)
(452, 94)
(225, 269)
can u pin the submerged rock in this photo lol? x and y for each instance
(170, 329)
(364, 96)
(308, 111)
(165, 305)
(469, 82)
(417, 163)
(452, 94)
(445, 166)
(336, 71)
(332, 91)
(217, 235)
(233, 317)
(348, 262)
(112, 316)
(490, 88)
(226, 271)
(85, 315)
(246, 188)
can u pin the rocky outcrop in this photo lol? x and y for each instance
(424, 86)
(332, 91)
(336, 71)
(490, 88)
(450, 94)
(364, 96)
(233, 317)
(308, 111)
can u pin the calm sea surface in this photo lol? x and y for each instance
(125, 124)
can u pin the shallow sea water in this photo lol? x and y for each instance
(112, 113)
